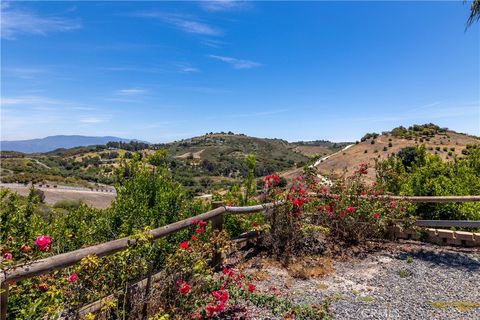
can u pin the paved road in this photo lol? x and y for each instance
(100, 189)
(97, 199)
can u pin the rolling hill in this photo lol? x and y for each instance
(447, 144)
(217, 160)
(55, 142)
(213, 160)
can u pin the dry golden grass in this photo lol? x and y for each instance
(310, 267)
(350, 159)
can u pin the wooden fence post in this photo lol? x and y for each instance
(3, 300)
(146, 297)
(217, 224)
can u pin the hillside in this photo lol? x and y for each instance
(318, 148)
(446, 143)
(217, 160)
(214, 160)
(55, 142)
(219, 149)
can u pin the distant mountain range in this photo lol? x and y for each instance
(54, 142)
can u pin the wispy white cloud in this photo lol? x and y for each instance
(249, 115)
(185, 23)
(423, 113)
(214, 43)
(131, 91)
(24, 117)
(25, 73)
(184, 67)
(31, 100)
(15, 22)
(223, 5)
(92, 120)
(174, 67)
(209, 90)
(237, 63)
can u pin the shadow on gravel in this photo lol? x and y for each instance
(444, 259)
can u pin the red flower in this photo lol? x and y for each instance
(362, 168)
(7, 256)
(43, 286)
(194, 221)
(363, 193)
(184, 288)
(375, 216)
(228, 272)
(184, 245)
(251, 287)
(202, 223)
(72, 278)
(221, 295)
(295, 202)
(212, 308)
(392, 204)
(199, 230)
(271, 180)
(194, 238)
(351, 209)
(43, 242)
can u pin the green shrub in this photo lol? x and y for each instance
(68, 204)
(352, 210)
(428, 175)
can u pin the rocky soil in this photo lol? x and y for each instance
(408, 280)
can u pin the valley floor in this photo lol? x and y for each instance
(394, 281)
(97, 199)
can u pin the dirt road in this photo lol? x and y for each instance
(97, 199)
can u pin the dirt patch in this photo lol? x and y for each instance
(95, 199)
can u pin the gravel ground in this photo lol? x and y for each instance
(435, 283)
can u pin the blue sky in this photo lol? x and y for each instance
(163, 71)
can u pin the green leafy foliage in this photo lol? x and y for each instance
(354, 211)
(147, 198)
(415, 172)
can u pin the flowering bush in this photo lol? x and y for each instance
(188, 286)
(31, 230)
(285, 219)
(354, 211)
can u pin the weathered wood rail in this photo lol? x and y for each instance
(216, 215)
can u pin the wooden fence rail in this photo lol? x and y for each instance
(67, 259)
(448, 223)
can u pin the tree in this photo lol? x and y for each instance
(474, 12)
(159, 158)
(407, 155)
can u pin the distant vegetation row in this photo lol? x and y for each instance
(415, 131)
